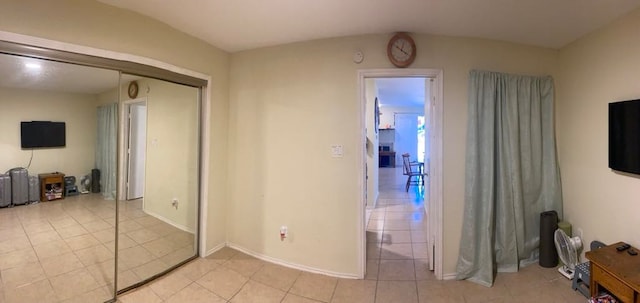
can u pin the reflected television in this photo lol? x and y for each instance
(42, 134)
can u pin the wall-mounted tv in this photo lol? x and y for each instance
(42, 134)
(624, 136)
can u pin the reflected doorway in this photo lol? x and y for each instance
(136, 132)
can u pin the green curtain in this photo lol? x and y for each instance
(512, 173)
(106, 148)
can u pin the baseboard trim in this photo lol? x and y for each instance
(292, 265)
(165, 220)
(214, 249)
(449, 276)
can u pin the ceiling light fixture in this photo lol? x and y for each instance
(32, 65)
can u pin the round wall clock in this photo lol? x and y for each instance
(401, 50)
(133, 89)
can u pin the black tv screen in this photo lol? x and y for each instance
(39, 134)
(624, 136)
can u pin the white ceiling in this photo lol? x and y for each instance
(401, 91)
(36, 74)
(235, 25)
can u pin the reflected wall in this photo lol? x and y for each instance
(158, 230)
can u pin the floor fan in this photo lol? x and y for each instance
(85, 184)
(568, 252)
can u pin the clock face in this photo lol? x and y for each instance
(401, 50)
(133, 89)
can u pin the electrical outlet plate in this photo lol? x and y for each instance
(337, 151)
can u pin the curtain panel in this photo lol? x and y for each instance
(512, 173)
(106, 149)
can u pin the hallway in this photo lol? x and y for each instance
(396, 231)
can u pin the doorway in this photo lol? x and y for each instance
(136, 111)
(432, 163)
(406, 134)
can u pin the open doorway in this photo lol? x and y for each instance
(136, 140)
(400, 223)
(133, 149)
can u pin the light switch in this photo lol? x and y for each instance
(336, 151)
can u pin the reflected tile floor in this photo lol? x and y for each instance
(396, 270)
(63, 250)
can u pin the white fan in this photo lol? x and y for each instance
(85, 184)
(568, 252)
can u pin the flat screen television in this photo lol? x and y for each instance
(624, 136)
(42, 134)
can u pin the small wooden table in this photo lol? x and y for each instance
(616, 271)
(51, 186)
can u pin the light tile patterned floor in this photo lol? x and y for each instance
(396, 270)
(63, 250)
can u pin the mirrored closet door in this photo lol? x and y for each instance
(99, 175)
(159, 180)
(57, 225)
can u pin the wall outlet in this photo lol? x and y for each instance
(337, 151)
(578, 233)
(174, 202)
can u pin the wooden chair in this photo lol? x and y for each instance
(413, 170)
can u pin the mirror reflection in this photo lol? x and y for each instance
(158, 177)
(56, 220)
(85, 151)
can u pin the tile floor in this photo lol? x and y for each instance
(396, 270)
(63, 250)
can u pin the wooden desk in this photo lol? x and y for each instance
(617, 272)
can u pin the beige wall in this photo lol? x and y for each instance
(78, 111)
(595, 70)
(290, 103)
(93, 24)
(171, 155)
(109, 97)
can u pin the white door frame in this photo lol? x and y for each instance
(123, 162)
(128, 105)
(435, 151)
